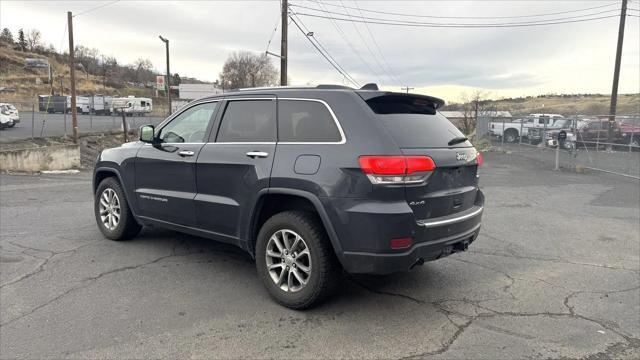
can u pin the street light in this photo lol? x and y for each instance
(166, 42)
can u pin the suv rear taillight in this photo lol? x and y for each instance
(479, 159)
(397, 169)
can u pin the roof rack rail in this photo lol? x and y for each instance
(321, 86)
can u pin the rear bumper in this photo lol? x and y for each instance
(372, 263)
(433, 239)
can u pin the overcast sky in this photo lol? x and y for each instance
(512, 61)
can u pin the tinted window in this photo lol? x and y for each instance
(306, 121)
(190, 126)
(421, 131)
(248, 121)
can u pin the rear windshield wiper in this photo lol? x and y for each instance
(457, 140)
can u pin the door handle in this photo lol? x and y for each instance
(186, 153)
(257, 154)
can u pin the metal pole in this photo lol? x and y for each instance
(283, 42)
(168, 80)
(503, 133)
(520, 137)
(557, 156)
(124, 125)
(74, 111)
(65, 119)
(33, 120)
(91, 115)
(616, 72)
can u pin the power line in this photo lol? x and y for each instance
(349, 44)
(346, 75)
(467, 24)
(312, 37)
(450, 25)
(275, 28)
(375, 58)
(474, 17)
(375, 42)
(96, 8)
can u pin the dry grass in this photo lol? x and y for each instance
(32, 82)
(570, 105)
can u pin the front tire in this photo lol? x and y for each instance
(295, 260)
(113, 215)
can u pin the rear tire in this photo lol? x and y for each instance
(300, 243)
(113, 215)
(510, 136)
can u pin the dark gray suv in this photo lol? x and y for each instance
(309, 181)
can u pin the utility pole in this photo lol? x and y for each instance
(407, 88)
(283, 42)
(166, 42)
(616, 72)
(72, 70)
(476, 112)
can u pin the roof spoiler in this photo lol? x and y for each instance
(434, 102)
(370, 86)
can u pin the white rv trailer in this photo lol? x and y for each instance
(132, 106)
(83, 104)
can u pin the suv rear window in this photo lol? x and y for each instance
(248, 121)
(414, 122)
(306, 121)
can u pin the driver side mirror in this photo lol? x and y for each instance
(147, 134)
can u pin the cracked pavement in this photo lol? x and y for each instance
(555, 273)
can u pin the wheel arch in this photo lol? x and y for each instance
(300, 199)
(102, 172)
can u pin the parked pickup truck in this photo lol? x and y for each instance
(512, 131)
(536, 135)
(630, 130)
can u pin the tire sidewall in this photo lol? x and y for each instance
(111, 183)
(280, 222)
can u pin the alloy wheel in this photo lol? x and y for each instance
(109, 209)
(288, 260)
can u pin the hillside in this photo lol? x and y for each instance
(28, 83)
(588, 104)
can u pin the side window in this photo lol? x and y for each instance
(306, 121)
(248, 121)
(190, 126)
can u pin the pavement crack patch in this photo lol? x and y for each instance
(85, 283)
(506, 288)
(556, 260)
(40, 267)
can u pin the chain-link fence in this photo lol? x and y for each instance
(28, 120)
(579, 142)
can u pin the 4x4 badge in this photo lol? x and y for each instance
(461, 157)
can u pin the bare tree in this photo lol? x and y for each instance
(143, 70)
(246, 69)
(474, 105)
(34, 37)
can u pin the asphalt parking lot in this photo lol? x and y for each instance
(554, 274)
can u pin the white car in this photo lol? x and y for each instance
(11, 111)
(5, 120)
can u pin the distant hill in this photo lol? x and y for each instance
(583, 104)
(28, 83)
